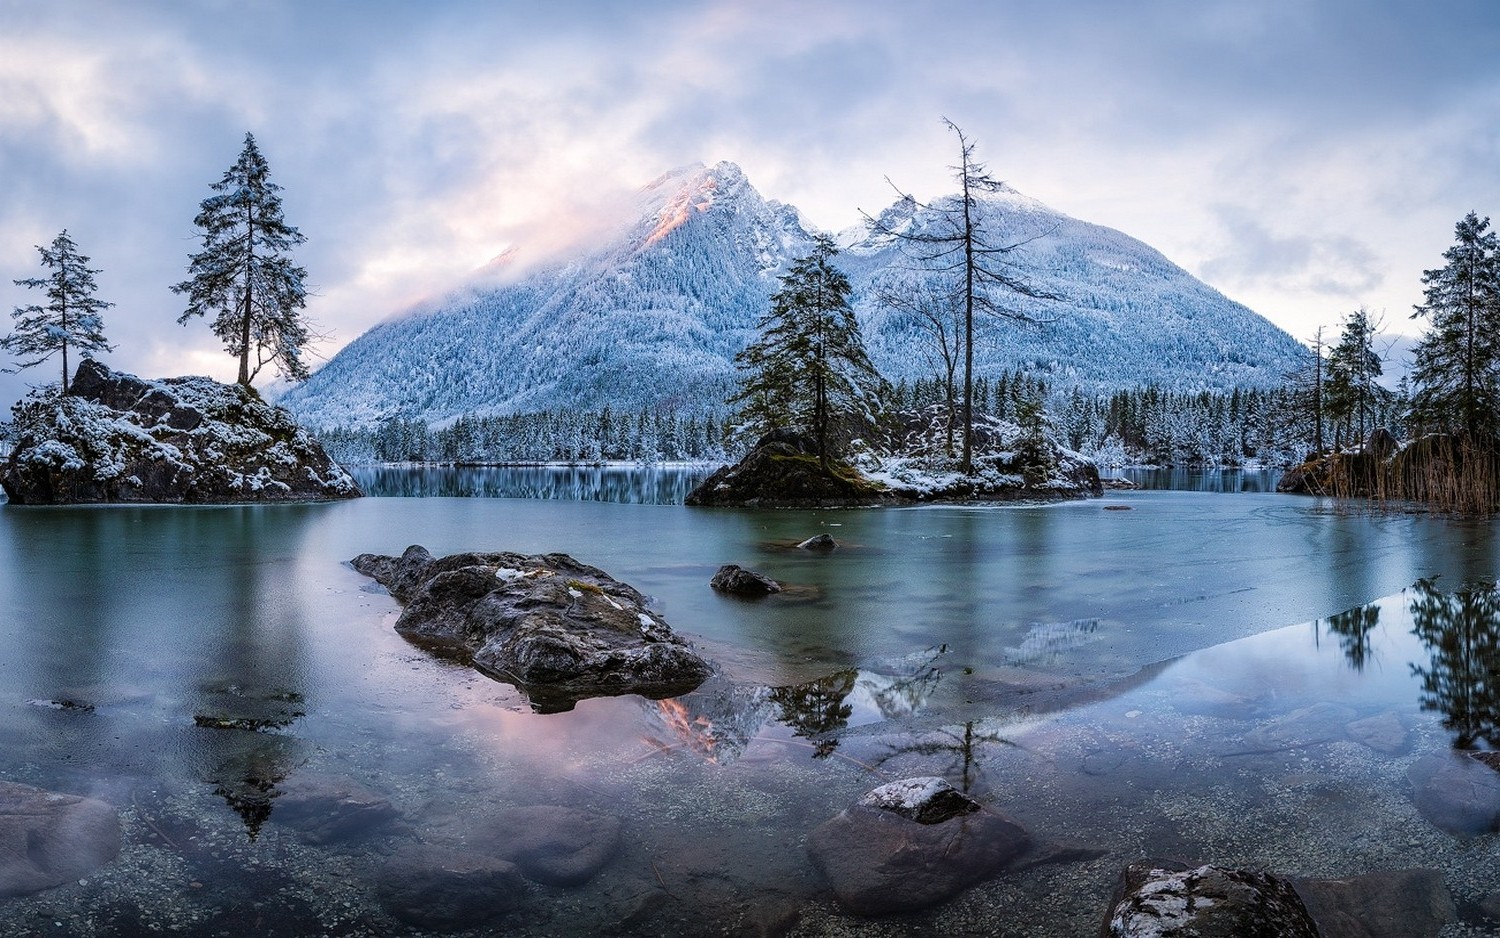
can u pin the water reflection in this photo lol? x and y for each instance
(634, 485)
(720, 719)
(1461, 631)
(1353, 628)
(1201, 480)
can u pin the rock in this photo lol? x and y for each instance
(552, 844)
(732, 578)
(557, 629)
(324, 809)
(1397, 904)
(1382, 733)
(782, 471)
(1163, 901)
(1456, 792)
(819, 542)
(1319, 723)
(435, 888)
(117, 438)
(47, 839)
(881, 858)
(1490, 906)
(1117, 508)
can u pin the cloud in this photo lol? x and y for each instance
(1253, 256)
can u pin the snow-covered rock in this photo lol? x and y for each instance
(117, 438)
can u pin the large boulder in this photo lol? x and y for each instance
(117, 438)
(47, 839)
(557, 629)
(910, 844)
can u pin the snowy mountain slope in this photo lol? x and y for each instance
(653, 318)
(654, 314)
(1126, 315)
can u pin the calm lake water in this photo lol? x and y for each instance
(1120, 680)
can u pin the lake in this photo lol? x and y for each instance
(1130, 682)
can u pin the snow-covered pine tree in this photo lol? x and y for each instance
(69, 318)
(983, 268)
(808, 370)
(1457, 370)
(245, 273)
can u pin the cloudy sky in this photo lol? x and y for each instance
(1303, 156)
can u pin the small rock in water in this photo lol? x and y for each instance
(1117, 508)
(881, 857)
(1309, 726)
(732, 578)
(48, 838)
(819, 542)
(1386, 904)
(324, 809)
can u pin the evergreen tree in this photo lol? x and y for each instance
(70, 316)
(1353, 366)
(245, 273)
(983, 269)
(1457, 371)
(808, 370)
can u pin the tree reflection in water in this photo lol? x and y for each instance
(1353, 627)
(961, 749)
(817, 709)
(1462, 681)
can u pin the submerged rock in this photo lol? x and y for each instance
(732, 578)
(444, 890)
(1457, 791)
(1162, 901)
(552, 844)
(1385, 904)
(47, 838)
(911, 844)
(324, 809)
(557, 629)
(117, 438)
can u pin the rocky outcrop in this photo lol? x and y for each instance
(819, 542)
(47, 839)
(782, 470)
(557, 629)
(1161, 901)
(910, 844)
(734, 579)
(117, 438)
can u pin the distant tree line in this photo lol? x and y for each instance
(551, 436)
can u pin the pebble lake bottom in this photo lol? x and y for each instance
(1222, 676)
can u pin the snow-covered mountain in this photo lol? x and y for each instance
(653, 314)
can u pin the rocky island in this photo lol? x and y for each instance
(116, 438)
(910, 465)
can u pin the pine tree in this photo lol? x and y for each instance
(1457, 371)
(70, 316)
(983, 270)
(808, 370)
(1353, 366)
(245, 273)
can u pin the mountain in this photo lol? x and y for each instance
(652, 315)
